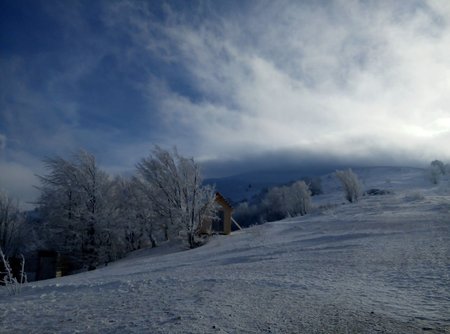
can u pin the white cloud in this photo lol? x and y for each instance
(353, 78)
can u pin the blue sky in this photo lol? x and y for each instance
(239, 85)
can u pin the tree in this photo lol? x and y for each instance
(173, 184)
(135, 214)
(351, 184)
(287, 201)
(439, 165)
(434, 174)
(275, 204)
(248, 215)
(300, 196)
(76, 204)
(11, 222)
(436, 170)
(314, 185)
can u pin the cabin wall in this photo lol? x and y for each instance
(227, 221)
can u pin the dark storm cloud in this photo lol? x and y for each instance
(303, 162)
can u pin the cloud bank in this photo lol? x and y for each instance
(344, 81)
(353, 79)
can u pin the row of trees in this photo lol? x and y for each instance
(94, 219)
(294, 199)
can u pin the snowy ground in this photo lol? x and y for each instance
(379, 266)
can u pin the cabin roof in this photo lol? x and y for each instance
(223, 201)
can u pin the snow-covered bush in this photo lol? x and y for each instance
(327, 209)
(299, 198)
(314, 185)
(12, 284)
(350, 183)
(415, 196)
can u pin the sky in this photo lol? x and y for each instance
(238, 85)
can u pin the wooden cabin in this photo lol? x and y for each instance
(222, 225)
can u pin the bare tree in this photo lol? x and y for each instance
(11, 222)
(173, 184)
(351, 184)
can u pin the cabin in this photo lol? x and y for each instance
(223, 224)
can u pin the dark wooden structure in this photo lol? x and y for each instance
(50, 265)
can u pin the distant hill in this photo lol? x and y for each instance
(245, 186)
(242, 187)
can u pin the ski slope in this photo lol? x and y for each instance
(378, 266)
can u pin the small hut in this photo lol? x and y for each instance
(223, 224)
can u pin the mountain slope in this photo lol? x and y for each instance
(381, 265)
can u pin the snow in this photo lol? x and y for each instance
(380, 265)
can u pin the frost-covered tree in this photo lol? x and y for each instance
(173, 184)
(287, 201)
(135, 214)
(300, 198)
(248, 214)
(314, 185)
(275, 204)
(76, 205)
(436, 170)
(11, 222)
(439, 166)
(351, 184)
(434, 174)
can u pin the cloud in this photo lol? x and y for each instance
(352, 78)
(2, 142)
(17, 180)
(228, 83)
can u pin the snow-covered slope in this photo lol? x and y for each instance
(379, 266)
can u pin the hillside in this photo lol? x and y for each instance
(243, 187)
(379, 266)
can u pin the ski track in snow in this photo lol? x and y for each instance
(378, 266)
